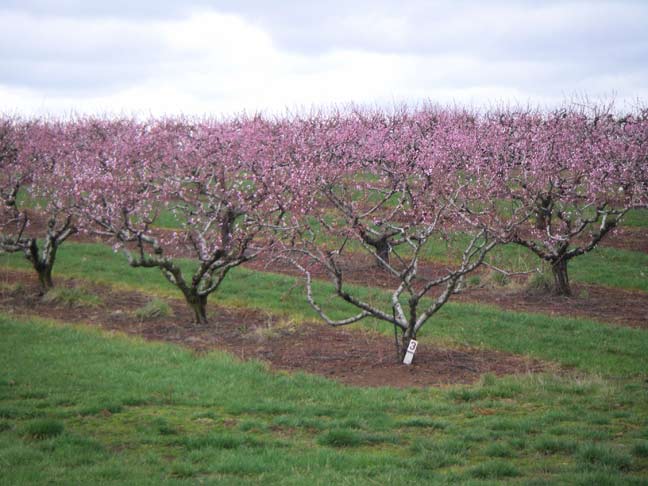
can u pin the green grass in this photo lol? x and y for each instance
(153, 309)
(81, 406)
(71, 297)
(340, 438)
(612, 267)
(496, 469)
(549, 445)
(166, 219)
(604, 456)
(576, 343)
(604, 266)
(43, 428)
(640, 449)
(611, 350)
(637, 218)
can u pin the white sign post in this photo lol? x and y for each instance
(411, 349)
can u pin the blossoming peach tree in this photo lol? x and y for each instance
(32, 169)
(575, 173)
(388, 179)
(214, 184)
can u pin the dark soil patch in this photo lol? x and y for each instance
(364, 358)
(605, 304)
(360, 358)
(634, 239)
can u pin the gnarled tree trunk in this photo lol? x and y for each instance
(198, 305)
(382, 248)
(382, 252)
(541, 219)
(42, 261)
(542, 212)
(561, 278)
(45, 278)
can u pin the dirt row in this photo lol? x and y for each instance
(634, 239)
(355, 357)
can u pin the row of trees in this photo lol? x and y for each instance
(313, 190)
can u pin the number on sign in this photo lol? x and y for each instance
(411, 349)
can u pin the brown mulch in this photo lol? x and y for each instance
(633, 239)
(356, 357)
(363, 358)
(605, 304)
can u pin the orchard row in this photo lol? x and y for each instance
(306, 189)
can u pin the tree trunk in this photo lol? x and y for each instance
(541, 219)
(381, 247)
(561, 278)
(542, 213)
(382, 251)
(43, 262)
(45, 278)
(198, 304)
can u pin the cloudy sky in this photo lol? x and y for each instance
(222, 57)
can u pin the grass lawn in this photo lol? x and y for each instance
(81, 406)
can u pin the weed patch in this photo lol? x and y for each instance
(43, 429)
(153, 309)
(71, 297)
(494, 470)
(553, 445)
(640, 449)
(219, 441)
(598, 455)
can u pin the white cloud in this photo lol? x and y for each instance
(257, 58)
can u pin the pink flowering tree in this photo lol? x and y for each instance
(628, 154)
(574, 173)
(390, 177)
(363, 204)
(12, 177)
(214, 181)
(32, 162)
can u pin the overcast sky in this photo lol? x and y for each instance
(223, 57)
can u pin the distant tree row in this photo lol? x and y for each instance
(313, 190)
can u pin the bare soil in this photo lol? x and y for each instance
(356, 357)
(605, 304)
(634, 239)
